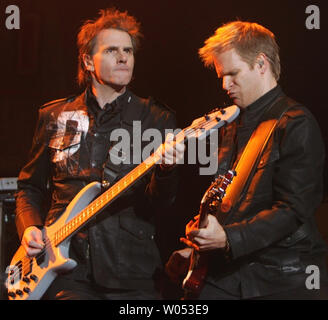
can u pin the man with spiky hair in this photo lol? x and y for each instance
(260, 247)
(116, 253)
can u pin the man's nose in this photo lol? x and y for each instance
(226, 83)
(121, 57)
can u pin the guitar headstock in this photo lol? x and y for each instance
(217, 190)
(200, 128)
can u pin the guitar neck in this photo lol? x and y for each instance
(108, 196)
(103, 201)
(203, 210)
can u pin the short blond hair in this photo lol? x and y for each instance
(248, 39)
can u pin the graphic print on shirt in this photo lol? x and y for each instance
(65, 141)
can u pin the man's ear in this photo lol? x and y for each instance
(88, 62)
(262, 62)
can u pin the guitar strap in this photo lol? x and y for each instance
(247, 164)
(227, 148)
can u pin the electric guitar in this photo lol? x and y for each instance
(29, 278)
(194, 280)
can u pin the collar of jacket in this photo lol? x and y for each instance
(116, 106)
(251, 114)
(130, 106)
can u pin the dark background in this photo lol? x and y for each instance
(38, 63)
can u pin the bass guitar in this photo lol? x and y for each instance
(29, 277)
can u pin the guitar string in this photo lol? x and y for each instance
(49, 242)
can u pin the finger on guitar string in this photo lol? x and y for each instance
(32, 248)
(189, 243)
(172, 152)
(193, 231)
(189, 225)
(32, 241)
(35, 245)
(195, 218)
(32, 252)
(20, 265)
(192, 226)
(200, 244)
(174, 149)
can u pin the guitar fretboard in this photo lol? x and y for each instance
(109, 195)
(103, 200)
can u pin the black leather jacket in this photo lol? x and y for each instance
(272, 233)
(70, 150)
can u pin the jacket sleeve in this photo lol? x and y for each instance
(32, 182)
(296, 187)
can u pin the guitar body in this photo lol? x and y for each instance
(194, 280)
(29, 278)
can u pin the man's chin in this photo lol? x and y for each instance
(238, 103)
(117, 85)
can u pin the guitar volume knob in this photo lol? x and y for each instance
(26, 279)
(19, 292)
(27, 290)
